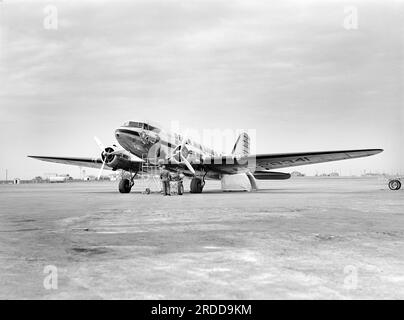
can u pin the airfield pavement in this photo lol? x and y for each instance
(304, 238)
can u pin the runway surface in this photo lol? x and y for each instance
(317, 238)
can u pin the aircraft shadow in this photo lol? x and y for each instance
(218, 191)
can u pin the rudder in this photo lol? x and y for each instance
(242, 145)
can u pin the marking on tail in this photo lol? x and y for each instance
(242, 145)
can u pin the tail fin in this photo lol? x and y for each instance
(242, 145)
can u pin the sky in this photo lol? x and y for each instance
(292, 71)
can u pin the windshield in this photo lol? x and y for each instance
(133, 124)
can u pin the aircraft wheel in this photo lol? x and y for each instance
(125, 186)
(394, 184)
(196, 185)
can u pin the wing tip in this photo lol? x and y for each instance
(363, 152)
(376, 151)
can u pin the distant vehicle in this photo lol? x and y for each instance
(37, 179)
(395, 184)
(141, 141)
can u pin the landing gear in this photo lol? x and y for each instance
(125, 185)
(394, 184)
(197, 185)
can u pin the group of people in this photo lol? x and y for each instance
(167, 177)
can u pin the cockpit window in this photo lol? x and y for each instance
(152, 128)
(133, 124)
(142, 125)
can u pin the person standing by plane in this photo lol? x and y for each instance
(165, 180)
(180, 183)
(178, 177)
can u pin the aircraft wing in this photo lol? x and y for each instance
(284, 160)
(263, 162)
(81, 162)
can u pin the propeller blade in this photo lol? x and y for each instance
(99, 143)
(187, 164)
(100, 172)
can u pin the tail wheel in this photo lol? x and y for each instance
(125, 186)
(394, 184)
(196, 185)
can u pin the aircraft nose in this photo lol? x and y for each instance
(119, 133)
(123, 134)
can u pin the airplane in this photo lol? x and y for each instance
(143, 142)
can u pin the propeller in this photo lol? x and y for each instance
(103, 156)
(102, 168)
(181, 157)
(99, 143)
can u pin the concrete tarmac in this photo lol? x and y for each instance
(304, 238)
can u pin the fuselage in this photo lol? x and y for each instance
(139, 138)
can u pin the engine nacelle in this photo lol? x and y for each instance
(119, 160)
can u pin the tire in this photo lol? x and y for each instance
(394, 184)
(125, 186)
(196, 185)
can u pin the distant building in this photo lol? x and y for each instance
(332, 174)
(297, 174)
(372, 174)
(57, 178)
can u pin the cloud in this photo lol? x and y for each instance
(283, 67)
